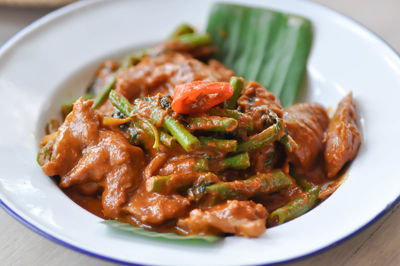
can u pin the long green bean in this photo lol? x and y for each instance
(244, 189)
(295, 208)
(175, 182)
(194, 40)
(184, 137)
(237, 84)
(244, 120)
(167, 139)
(127, 109)
(212, 123)
(156, 115)
(222, 145)
(266, 137)
(239, 162)
(182, 29)
(121, 103)
(102, 96)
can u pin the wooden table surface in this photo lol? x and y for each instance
(379, 244)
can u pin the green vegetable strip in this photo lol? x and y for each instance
(66, 108)
(154, 132)
(145, 127)
(294, 208)
(157, 183)
(130, 229)
(167, 139)
(178, 181)
(239, 162)
(157, 114)
(302, 181)
(184, 137)
(262, 45)
(237, 84)
(105, 91)
(244, 189)
(182, 29)
(127, 109)
(212, 123)
(121, 103)
(222, 145)
(143, 133)
(266, 137)
(171, 183)
(194, 40)
(289, 143)
(174, 182)
(244, 120)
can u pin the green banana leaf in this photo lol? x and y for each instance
(143, 232)
(262, 45)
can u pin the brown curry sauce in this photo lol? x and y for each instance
(104, 173)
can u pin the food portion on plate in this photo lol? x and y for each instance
(175, 141)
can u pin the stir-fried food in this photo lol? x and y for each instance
(175, 142)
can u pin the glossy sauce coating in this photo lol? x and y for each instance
(115, 172)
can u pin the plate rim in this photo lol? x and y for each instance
(70, 8)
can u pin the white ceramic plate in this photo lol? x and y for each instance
(54, 59)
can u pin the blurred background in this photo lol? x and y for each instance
(376, 245)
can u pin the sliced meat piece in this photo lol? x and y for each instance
(316, 174)
(160, 74)
(115, 164)
(90, 157)
(255, 101)
(342, 138)
(153, 208)
(79, 130)
(242, 218)
(306, 123)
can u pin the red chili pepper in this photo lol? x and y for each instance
(199, 96)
